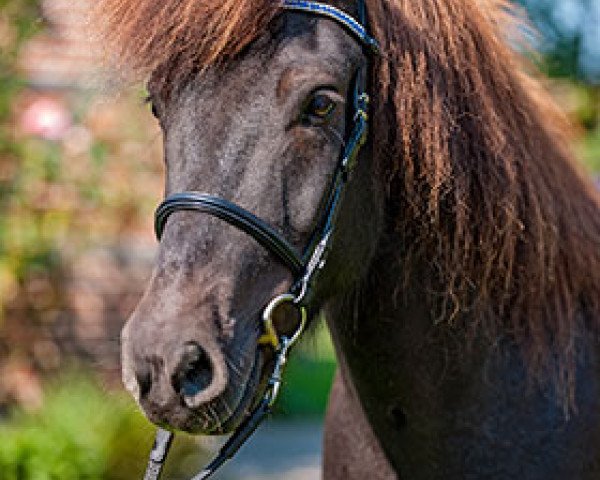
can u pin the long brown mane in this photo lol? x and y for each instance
(482, 184)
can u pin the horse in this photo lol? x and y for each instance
(462, 286)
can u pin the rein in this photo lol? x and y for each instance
(304, 267)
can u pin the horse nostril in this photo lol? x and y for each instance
(194, 372)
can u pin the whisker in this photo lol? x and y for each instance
(215, 416)
(226, 406)
(202, 416)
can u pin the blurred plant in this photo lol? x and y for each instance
(570, 37)
(18, 22)
(75, 171)
(569, 42)
(82, 433)
(308, 375)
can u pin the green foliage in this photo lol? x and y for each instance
(306, 386)
(568, 37)
(83, 432)
(308, 375)
(18, 19)
(589, 148)
(583, 105)
(18, 23)
(80, 433)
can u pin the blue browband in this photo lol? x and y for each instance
(336, 14)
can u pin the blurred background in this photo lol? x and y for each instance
(80, 176)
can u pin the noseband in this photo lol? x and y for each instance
(304, 267)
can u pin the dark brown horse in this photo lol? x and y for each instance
(463, 286)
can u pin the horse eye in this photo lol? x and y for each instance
(320, 107)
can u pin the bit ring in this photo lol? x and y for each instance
(270, 336)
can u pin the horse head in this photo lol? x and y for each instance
(263, 130)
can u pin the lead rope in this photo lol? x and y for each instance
(158, 455)
(314, 261)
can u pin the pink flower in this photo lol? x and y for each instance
(46, 118)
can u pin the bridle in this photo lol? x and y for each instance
(305, 267)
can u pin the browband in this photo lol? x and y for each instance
(339, 16)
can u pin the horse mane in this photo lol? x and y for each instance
(482, 189)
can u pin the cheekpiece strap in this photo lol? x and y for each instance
(339, 16)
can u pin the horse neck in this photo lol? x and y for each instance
(420, 382)
(389, 319)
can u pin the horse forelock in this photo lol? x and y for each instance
(177, 37)
(482, 186)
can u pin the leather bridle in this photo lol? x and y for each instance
(304, 267)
